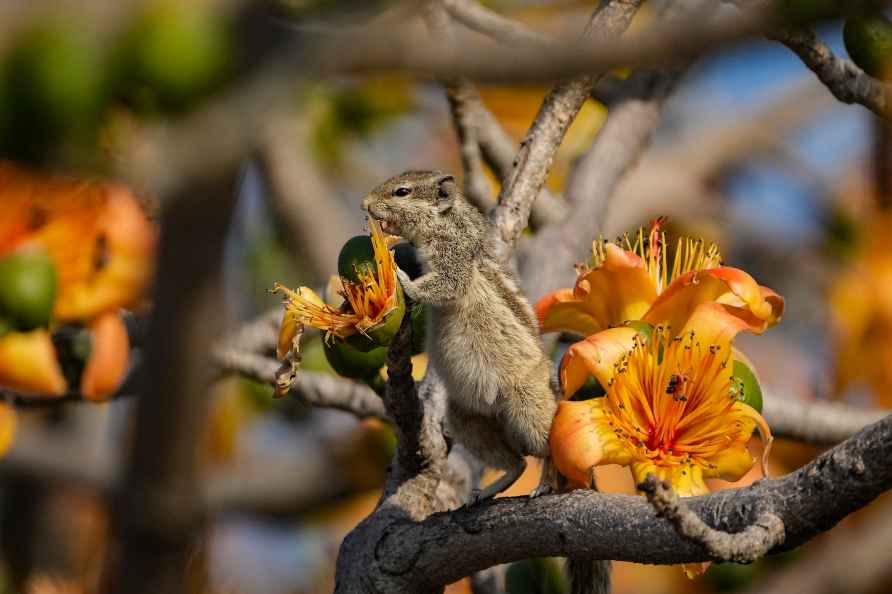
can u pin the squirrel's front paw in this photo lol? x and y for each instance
(406, 282)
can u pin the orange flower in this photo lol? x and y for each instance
(659, 342)
(96, 233)
(102, 249)
(861, 306)
(632, 281)
(368, 303)
(671, 406)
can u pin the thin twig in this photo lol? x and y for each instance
(485, 21)
(843, 78)
(745, 546)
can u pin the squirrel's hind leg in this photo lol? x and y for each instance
(482, 436)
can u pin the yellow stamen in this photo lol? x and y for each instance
(690, 254)
(669, 402)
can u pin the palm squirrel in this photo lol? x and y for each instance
(483, 338)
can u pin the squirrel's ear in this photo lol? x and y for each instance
(445, 193)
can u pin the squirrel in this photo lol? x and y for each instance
(483, 338)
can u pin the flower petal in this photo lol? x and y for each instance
(595, 356)
(618, 290)
(686, 479)
(729, 286)
(109, 355)
(28, 364)
(582, 438)
(717, 323)
(731, 463)
(8, 424)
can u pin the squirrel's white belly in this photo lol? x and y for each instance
(477, 345)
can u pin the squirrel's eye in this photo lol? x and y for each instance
(402, 192)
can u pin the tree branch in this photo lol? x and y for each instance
(843, 78)
(617, 147)
(855, 560)
(318, 389)
(477, 187)
(485, 21)
(741, 547)
(820, 423)
(459, 93)
(301, 197)
(809, 501)
(533, 160)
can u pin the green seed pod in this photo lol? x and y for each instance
(745, 385)
(350, 362)
(868, 40)
(357, 255)
(27, 289)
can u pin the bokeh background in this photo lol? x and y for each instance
(752, 153)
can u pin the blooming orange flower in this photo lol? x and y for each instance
(671, 406)
(631, 280)
(368, 303)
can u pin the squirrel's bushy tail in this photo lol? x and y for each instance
(587, 576)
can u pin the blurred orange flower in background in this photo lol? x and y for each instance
(72, 253)
(861, 307)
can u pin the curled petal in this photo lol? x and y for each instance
(686, 479)
(731, 463)
(729, 286)
(287, 332)
(595, 356)
(581, 438)
(28, 364)
(717, 324)
(109, 355)
(759, 423)
(618, 290)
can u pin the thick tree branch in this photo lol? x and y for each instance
(159, 510)
(533, 160)
(741, 547)
(619, 144)
(372, 49)
(623, 527)
(844, 79)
